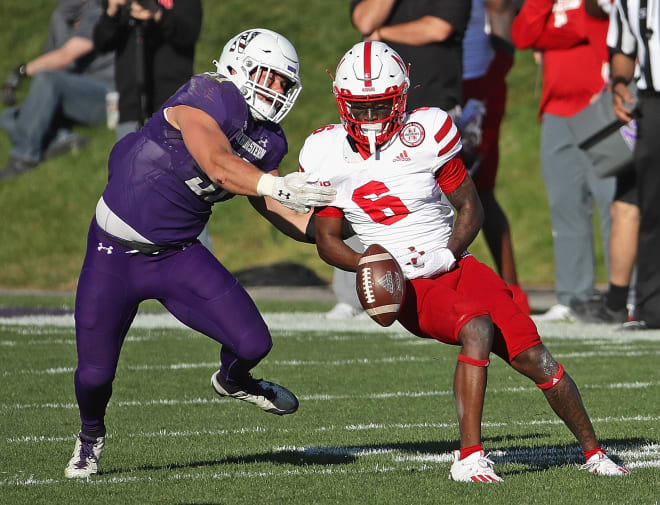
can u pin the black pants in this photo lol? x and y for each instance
(647, 167)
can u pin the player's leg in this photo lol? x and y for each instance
(434, 309)
(563, 395)
(516, 341)
(104, 311)
(470, 462)
(205, 296)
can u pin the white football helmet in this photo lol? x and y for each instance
(250, 54)
(371, 72)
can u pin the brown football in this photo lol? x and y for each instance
(380, 284)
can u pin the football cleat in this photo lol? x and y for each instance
(474, 468)
(84, 461)
(266, 395)
(601, 464)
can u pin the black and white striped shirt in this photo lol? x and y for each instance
(634, 30)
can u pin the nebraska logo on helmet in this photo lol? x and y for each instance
(412, 134)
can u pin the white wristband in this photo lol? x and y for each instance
(265, 185)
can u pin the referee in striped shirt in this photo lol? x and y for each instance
(634, 37)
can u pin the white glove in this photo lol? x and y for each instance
(295, 191)
(428, 264)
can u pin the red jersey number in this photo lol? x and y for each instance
(382, 209)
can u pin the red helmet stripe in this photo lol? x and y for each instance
(367, 65)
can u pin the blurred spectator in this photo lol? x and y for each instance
(574, 63)
(614, 306)
(428, 36)
(154, 43)
(70, 81)
(487, 58)
(633, 37)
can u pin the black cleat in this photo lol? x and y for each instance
(266, 395)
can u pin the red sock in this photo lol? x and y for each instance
(466, 451)
(593, 451)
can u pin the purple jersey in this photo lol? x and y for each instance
(155, 185)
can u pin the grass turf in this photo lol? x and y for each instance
(376, 422)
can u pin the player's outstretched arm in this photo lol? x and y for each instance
(331, 247)
(211, 149)
(469, 216)
(288, 221)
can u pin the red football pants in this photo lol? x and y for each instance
(438, 308)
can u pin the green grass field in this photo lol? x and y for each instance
(45, 213)
(376, 423)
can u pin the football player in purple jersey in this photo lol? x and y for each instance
(216, 137)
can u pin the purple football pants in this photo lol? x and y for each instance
(191, 283)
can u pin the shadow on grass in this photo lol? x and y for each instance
(534, 458)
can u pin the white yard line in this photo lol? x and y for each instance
(321, 397)
(396, 461)
(315, 321)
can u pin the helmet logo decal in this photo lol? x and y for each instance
(412, 134)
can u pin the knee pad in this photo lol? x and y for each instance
(554, 380)
(474, 362)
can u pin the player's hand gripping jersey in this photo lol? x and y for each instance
(392, 198)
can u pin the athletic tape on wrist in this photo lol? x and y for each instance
(474, 362)
(554, 380)
(265, 185)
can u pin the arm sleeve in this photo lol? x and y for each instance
(451, 175)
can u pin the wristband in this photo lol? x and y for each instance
(265, 185)
(619, 79)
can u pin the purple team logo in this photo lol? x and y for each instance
(412, 134)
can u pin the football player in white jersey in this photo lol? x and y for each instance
(390, 169)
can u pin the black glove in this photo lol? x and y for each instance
(12, 83)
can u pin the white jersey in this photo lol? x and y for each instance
(392, 198)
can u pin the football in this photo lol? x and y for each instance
(380, 284)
